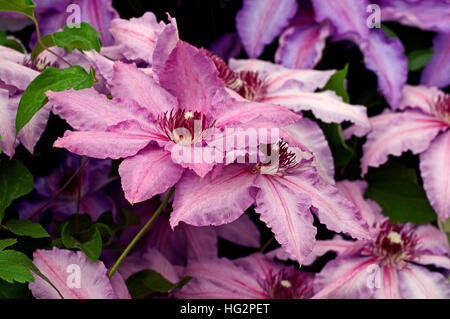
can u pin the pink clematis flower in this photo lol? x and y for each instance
(265, 82)
(303, 36)
(16, 73)
(391, 265)
(284, 191)
(256, 277)
(422, 126)
(62, 267)
(145, 110)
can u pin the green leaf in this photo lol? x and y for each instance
(388, 31)
(417, 59)
(2, 37)
(4, 243)
(342, 153)
(25, 7)
(14, 291)
(47, 41)
(26, 228)
(53, 79)
(148, 282)
(83, 38)
(15, 266)
(15, 181)
(395, 187)
(84, 236)
(15, 45)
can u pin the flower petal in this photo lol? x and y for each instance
(259, 22)
(438, 261)
(437, 70)
(148, 173)
(212, 201)
(336, 245)
(389, 288)
(333, 210)
(405, 131)
(60, 266)
(417, 282)
(287, 215)
(430, 240)
(89, 110)
(419, 96)
(8, 110)
(435, 172)
(327, 106)
(30, 134)
(241, 232)
(130, 83)
(15, 74)
(196, 81)
(123, 140)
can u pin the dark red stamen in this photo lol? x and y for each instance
(287, 284)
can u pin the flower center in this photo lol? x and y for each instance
(279, 158)
(395, 243)
(39, 64)
(250, 85)
(185, 127)
(442, 108)
(286, 284)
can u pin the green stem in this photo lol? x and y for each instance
(141, 233)
(267, 244)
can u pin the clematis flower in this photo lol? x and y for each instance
(255, 277)
(431, 15)
(62, 267)
(421, 126)
(265, 82)
(304, 37)
(284, 191)
(145, 110)
(391, 265)
(16, 73)
(92, 178)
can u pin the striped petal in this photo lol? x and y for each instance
(437, 70)
(417, 282)
(259, 22)
(435, 172)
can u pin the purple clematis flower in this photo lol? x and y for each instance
(422, 126)
(391, 265)
(255, 277)
(16, 73)
(284, 191)
(304, 36)
(145, 110)
(61, 267)
(432, 15)
(89, 183)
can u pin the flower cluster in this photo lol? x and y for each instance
(157, 156)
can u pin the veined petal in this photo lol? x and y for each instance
(385, 58)
(389, 284)
(212, 201)
(301, 45)
(148, 173)
(89, 110)
(419, 96)
(430, 240)
(8, 110)
(130, 83)
(354, 191)
(54, 264)
(333, 210)
(259, 22)
(102, 65)
(30, 134)
(347, 16)
(336, 245)
(438, 261)
(11, 54)
(241, 232)
(345, 278)
(409, 130)
(15, 74)
(167, 41)
(277, 75)
(196, 81)
(307, 133)
(435, 172)
(287, 215)
(327, 106)
(437, 70)
(123, 140)
(137, 37)
(201, 242)
(417, 282)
